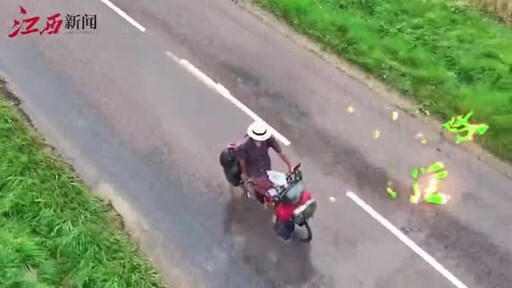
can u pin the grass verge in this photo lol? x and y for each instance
(446, 54)
(53, 231)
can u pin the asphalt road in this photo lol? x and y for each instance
(145, 133)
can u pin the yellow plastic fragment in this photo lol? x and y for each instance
(415, 197)
(376, 134)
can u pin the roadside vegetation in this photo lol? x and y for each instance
(448, 55)
(53, 231)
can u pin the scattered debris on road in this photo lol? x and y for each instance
(391, 193)
(376, 134)
(332, 199)
(421, 137)
(432, 176)
(395, 115)
(350, 109)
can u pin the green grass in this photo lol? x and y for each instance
(53, 231)
(448, 56)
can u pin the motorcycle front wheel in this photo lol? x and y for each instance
(309, 236)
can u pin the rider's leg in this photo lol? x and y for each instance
(250, 189)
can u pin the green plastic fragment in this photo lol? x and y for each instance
(391, 193)
(459, 125)
(414, 173)
(465, 119)
(471, 130)
(435, 167)
(449, 124)
(467, 137)
(457, 121)
(481, 128)
(436, 198)
(442, 174)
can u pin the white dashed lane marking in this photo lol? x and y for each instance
(124, 15)
(406, 240)
(225, 93)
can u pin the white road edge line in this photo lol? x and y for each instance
(406, 240)
(124, 15)
(224, 92)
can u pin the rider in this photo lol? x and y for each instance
(253, 155)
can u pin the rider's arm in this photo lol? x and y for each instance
(243, 167)
(241, 156)
(285, 159)
(272, 142)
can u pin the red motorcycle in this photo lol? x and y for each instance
(293, 204)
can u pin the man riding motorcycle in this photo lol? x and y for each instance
(254, 159)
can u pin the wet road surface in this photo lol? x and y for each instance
(145, 133)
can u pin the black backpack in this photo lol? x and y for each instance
(227, 157)
(230, 165)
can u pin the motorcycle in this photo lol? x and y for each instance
(293, 205)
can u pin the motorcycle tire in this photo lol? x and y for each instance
(284, 229)
(309, 236)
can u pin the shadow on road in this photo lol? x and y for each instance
(259, 248)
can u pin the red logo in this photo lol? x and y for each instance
(28, 25)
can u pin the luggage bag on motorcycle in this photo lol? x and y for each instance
(231, 167)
